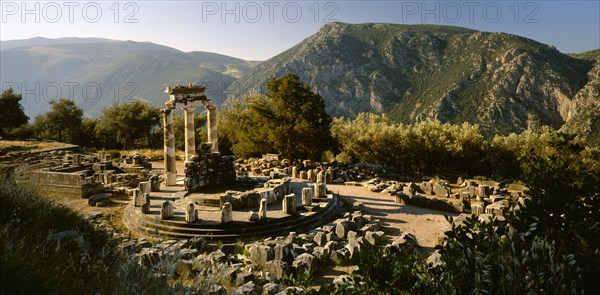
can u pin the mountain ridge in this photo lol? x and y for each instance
(99, 74)
(415, 72)
(409, 72)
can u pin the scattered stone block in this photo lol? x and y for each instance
(495, 209)
(97, 198)
(320, 238)
(283, 251)
(249, 288)
(483, 191)
(496, 198)
(353, 246)
(342, 229)
(260, 254)
(253, 216)
(374, 237)
(402, 198)
(477, 209)
(441, 190)
(426, 187)
(270, 289)
(408, 191)
(304, 262)
(277, 268)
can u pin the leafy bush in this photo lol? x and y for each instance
(33, 260)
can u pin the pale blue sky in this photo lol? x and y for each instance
(258, 30)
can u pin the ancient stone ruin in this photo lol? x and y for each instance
(204, 166)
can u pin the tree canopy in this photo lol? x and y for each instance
(290, 119)
(128, 125)
(11, 111)
(62, 122)
(295, 118)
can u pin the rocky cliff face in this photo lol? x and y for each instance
(584, 114)
(415, 72)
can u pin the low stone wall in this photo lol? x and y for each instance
(251, 199)
(73, 184)
(432, 203)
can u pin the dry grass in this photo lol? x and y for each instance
(150, 152)
(30, 145)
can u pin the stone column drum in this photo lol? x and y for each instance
(262, 210)
(145, 204)
(190, 213)
(307, 195)
(288, 206)
(169, 139)
(190, 133)
(212, 128)
(226, 213)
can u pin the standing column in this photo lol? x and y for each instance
(212, 128)
(190, 134)
(169, 139)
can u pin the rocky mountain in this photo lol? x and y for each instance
(410, 72)
(585, 112)
(100, 72)
(414, 72)
(41, 41)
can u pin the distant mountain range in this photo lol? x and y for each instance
(100, 72)
(410, 72)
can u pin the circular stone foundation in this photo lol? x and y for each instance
(208, 212)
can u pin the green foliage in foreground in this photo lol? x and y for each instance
(549, 245)
(85, 261)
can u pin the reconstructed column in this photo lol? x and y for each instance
(190, 213)
(190, 134)
(137, 197)
(262, 210)
(169, 139)
(288, 206)
(145, 204)
(212, 128)
(166, 210)
(226, 213)
(145, 187)
(307, 195)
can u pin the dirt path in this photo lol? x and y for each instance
(426, 224)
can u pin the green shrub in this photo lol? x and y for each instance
(115, 154)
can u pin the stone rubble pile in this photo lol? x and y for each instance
(274, 167)
(260, 267)
(471, 196)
